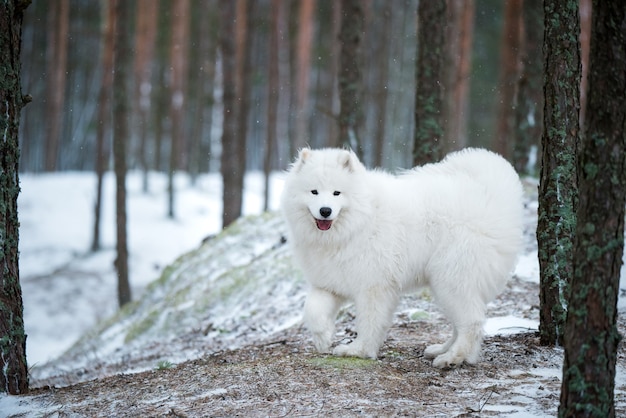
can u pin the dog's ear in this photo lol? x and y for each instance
(349, 161)
(303, 155)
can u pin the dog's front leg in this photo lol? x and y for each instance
(374, 314)
(320, 312)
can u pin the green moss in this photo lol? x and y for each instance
(343, 363)
(140, 327)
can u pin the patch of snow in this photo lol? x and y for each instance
(506, 325)
(527, 267)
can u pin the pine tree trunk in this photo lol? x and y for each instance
(591, 335)
(350, 80)
(529, 110)
(121, 131)
(145, 35)
(58, 28)
(303, 57)
(459, 34)
(13, 368)
(104, 111)
(509, 74)
(557, 187)
(428, 136)
(178, 75)
(232, 172)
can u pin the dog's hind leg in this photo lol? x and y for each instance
(467, 320)
(320, 312)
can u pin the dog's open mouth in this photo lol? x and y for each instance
(323, 224)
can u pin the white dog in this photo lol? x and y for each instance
(368, 237)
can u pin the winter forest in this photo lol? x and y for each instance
(170, 102)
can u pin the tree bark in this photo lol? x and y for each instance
(591, 335)
(557, 187)
(121, 114)
(14, 371)
(350, 79)
(428, 136)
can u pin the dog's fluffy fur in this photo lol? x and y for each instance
(367, 236)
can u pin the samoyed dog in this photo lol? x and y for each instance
(367, 237)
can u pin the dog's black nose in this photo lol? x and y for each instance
(325, 212)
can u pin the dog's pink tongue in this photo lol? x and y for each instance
(323, 225)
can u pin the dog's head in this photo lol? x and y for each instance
(323, 181)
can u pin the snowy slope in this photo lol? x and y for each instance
(66, 288)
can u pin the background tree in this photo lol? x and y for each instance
(14, 376)
(509, 74)
(56, 55)
(431, 27)
(232, 152)
(459, 36)
(104, 113)
(178, 75)
(350, 79)
(121, 135)
(529, 108)
(591, 335)
(303, 70)
(557, 185)
(145, 36)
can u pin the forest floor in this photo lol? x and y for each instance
(283, 376)
(253, 371)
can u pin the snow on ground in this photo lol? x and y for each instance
(66, 287)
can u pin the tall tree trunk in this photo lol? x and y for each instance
(303, 65)
(121, 135)
(145, 36)
(557, 187)
(428, 136)
(276, 15)
(14, 375)
(509, 74)
(350, 78)
(591, 335)
(104, 113)
(459, 33)
(58, 28)
(178, 60)
(529, 110)
(231, 168)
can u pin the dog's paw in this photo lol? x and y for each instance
(433, 351)
(321, 346)
(448, 360)
(354, 350)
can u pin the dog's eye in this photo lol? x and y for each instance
(336, 193)
(314, 192)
